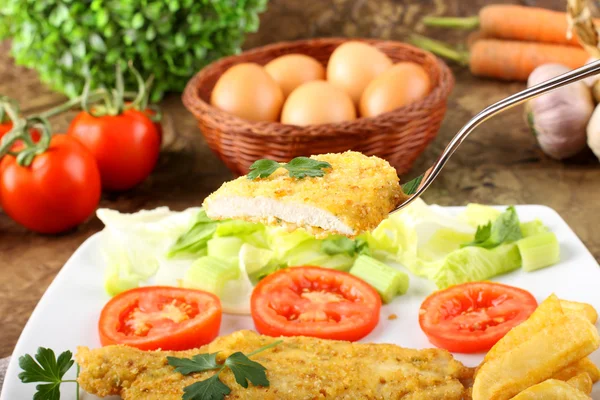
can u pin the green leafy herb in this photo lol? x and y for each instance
(66, 40)
(47, 369)
(505, 229)
(299, 167)
(208, 389)
(411, 187)
(338, 244)
(195, 239)
(244, 370)
(263, 168)
(198, 363)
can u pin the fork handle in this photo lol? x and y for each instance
(496, 108)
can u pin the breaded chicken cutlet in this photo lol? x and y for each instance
(353, 196)
(297, 368)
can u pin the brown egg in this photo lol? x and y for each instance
(317, 102)
(404, 83)
(353, 65)
(247, 91)
(292, 70)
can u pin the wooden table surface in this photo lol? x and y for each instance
(499, 164)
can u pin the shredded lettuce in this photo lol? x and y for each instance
(133, 245)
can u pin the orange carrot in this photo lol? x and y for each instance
(504, 59)
(514, 22)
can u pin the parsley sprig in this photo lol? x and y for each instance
(411, 187)
(49, 370)
(505, 229)
(299, 167)
(244, 370)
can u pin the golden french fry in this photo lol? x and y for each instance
(552, 389)
(537, 358)
(544, 315)
(587, 310)
(584, 365)
(582, 382)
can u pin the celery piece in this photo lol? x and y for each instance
(225, 248)
(388, 281)
(539, 251)
(210, 274)
(532, 228)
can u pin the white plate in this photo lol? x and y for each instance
(67, 314)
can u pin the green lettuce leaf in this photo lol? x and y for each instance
(471, 264)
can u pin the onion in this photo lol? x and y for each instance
(559, 119)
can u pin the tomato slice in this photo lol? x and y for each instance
(158, 317)
(472, 317)
(314, 301)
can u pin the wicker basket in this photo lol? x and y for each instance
(398, 136)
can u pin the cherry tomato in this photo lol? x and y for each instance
(150, 113)
(157, 317)
(314, 301)
(126, 146)
(59, 190)
(472, 317)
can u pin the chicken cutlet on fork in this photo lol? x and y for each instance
(298, 368)
(352, 196)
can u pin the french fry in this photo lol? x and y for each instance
(544, 315)
(583, 365)
(551, 389)
(536, 358)
(587, 310)
(582, 382)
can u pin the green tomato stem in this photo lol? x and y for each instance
(21, 130)
(60, 108)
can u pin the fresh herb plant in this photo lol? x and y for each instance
(299, 167)
(244, 370)
(65, 41)
(49, 370)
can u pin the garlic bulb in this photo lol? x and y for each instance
(593, 132)
(559, 119)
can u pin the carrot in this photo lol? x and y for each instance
(514, 22)
(506, 60)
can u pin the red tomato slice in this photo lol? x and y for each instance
(157, 317)
(313, 301)
(472, 317)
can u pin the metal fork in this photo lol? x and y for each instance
(425, 180)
